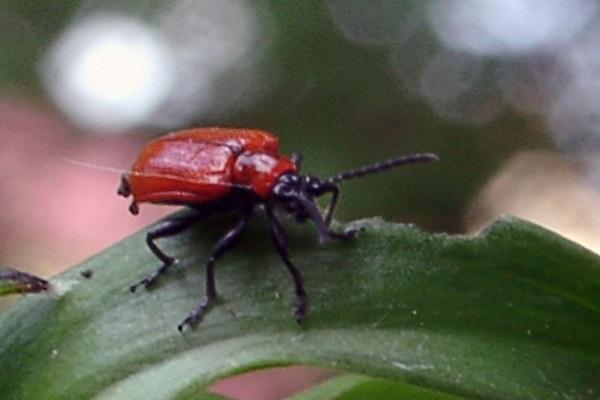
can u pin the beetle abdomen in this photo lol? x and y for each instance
(181, 171)
(240, 139)
(195, 166)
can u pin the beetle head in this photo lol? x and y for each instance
(296, 193)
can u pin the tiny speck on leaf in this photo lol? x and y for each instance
(87, 274)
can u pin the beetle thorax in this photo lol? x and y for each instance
(260, 171)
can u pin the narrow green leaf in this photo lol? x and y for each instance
(13, 281)
(511, 314)
(352, 386)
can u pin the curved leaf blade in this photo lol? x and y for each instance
(352, 386)
(513, 313)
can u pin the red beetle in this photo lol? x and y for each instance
(225, 169)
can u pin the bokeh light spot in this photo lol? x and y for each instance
(495, 27)
(108, 71)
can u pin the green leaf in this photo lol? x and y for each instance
(13, 281)
(352, 386)
(511, 314)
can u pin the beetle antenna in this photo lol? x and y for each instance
(94, 166)
(382, 166)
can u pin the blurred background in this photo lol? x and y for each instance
(507, 92)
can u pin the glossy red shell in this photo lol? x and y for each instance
(194, 166)
(259, 170)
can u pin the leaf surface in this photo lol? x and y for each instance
(513, 313)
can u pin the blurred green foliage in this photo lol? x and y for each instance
(337, 102)
(26, 29)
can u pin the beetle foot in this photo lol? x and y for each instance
(195, 317)
(349, 233)
(301, 310)
(151, 279)
(147, 282)
(352, 233)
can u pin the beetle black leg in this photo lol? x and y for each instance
(335, 194)
(325, 232)
(226, 243)
(280, 241)
(164, 229)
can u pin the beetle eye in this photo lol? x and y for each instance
(312, 185)
(283, 190)
(288, 190)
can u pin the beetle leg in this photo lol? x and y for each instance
(335, 194)
(281, 244)
(163, 229)
(330, 187)
(325, 232)
(226, 243)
